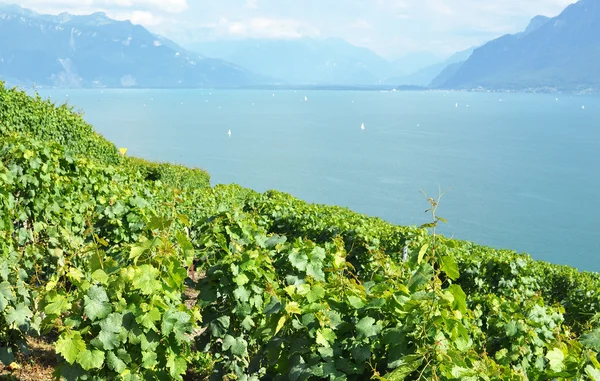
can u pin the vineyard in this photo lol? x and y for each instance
(135, 270)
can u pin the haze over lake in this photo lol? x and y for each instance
(520, 171)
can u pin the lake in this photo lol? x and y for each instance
(519, 171)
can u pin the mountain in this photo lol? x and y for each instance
(560, 53)
(95, 50)
(446, 74)
(536, 23)
(304, 61)
(413, 62)
(425, 75)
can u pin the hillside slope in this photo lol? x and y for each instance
(128, 276)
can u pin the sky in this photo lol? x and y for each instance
(391, 28)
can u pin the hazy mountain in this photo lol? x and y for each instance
(413, 62)
(536, 23)
(425, 75)
(446, 74)
(94, 50)
(302, 61)
(561, 53)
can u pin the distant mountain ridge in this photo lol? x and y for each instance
(320, 62)
(553, 54)
(425, 76)
(97, 51)
(303, 61)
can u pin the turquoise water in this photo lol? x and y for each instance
(519, 171)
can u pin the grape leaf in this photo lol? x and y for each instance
(91, 359)
(592, 340)
(556, 358)
(115, 363)
(96, 304)
(367, 327)
(70, 345)
(18, 316)
(298, 260)
(146, 279)
(238, 346)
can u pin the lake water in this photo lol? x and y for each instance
(519, 171)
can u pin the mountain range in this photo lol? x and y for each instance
(310, 61)
(96, 51)
(303, 61)
(552, 54)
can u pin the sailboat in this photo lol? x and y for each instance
(305, 99)
(456, 105)
(229, 133)
(362, 126)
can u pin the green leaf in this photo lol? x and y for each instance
(96, 305)
(356, 302)
(280, 324)
(59, 304)
(241, 279)
(593, 373)
(367, 327)
(407, 366)
(242, 294)
(149, 359)
(19, 316)
(91, 359)
(592, 340)
(137, 251)
(556, 358)
(449, 267)
(218, 327)
(115, 363)
(325, 337)
(146, 279)
(248, 323)
(460, 298)
(361, 353)
(176, 322)
(420, 277)
(70, 345)
(100, 276)
(177, 366)
(316, 293)
(149, 319)
(315, 270)
(238, 346)
(422, 253)
(298, 260)
(511, 328)
(111, 327)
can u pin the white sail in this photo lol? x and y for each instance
(362, 126)
(229, 133)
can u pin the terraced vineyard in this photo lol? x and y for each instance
(136, 270)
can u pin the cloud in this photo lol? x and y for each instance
(361, 24)
(78, 6)
(145, 18)
(259, 27)
(251, 4)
